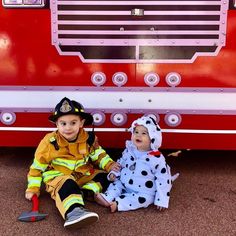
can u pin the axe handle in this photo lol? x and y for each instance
(35, 203)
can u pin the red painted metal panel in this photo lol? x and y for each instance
(28, 58)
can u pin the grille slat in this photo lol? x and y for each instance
(144, 18)
(138, 27)
(145, 7)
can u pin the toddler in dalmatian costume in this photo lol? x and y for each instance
(144, 177)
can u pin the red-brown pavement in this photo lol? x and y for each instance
(203, 200)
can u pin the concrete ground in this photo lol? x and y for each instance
(203, 200)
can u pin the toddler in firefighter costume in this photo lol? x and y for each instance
(145, 177)
(70, 163)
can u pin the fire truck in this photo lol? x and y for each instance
(173, 60)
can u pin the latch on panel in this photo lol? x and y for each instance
(137, 12)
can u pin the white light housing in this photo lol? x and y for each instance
(8, 118)
(173, 119)
(151, 79)
(98, 78)
(173, 79)
(119, 79)
(98, 118)
(118, 119)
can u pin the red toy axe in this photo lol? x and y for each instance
(33, 215)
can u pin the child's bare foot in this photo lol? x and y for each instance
(113, 206)
(100, 200)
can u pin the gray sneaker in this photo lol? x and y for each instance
(80, 217)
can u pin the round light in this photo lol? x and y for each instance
(119, 79)
(98, 78)
(173, 79)
(151, 79)
(98, 118)
(118, 119)
(8, 118)
(173, 119)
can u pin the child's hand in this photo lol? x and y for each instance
(112, 177)
(29, 195)
(115, 167)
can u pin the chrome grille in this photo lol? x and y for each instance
(164, 31)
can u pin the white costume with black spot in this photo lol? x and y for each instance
(144, 179)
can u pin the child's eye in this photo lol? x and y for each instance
(63, 123)
(73, 122)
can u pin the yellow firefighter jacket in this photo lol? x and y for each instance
(77, 159)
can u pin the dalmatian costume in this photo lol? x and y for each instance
(145, 177)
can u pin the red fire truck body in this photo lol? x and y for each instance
(175, 60)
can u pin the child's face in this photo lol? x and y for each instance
(69, 126)
(141, 139)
